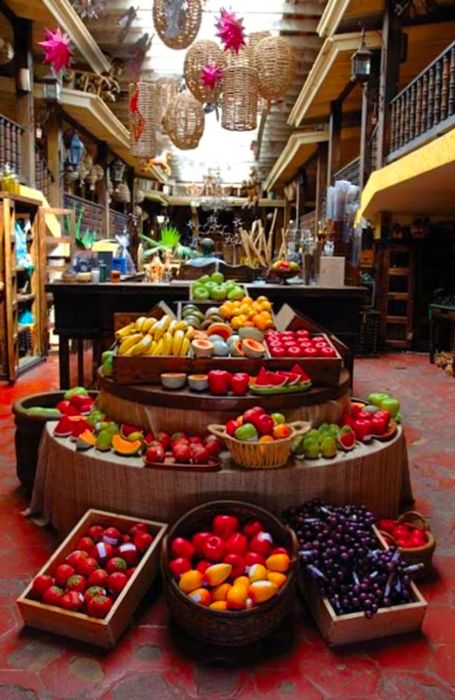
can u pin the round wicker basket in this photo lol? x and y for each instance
(240, 98)
(417, 555)
(198, 56)
(163, 92)
(229, 628)
(255, 37)
(177, 28)
(142, 127)
(261, 455)
(184, 121)
(274, 60)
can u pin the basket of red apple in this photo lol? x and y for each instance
(411, 534)
(183, 451)
(229, 570)
(259, 440)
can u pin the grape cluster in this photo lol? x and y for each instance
(340, 551)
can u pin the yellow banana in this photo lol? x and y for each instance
(190, 333)
(172, 326)
(122, 333)
(140, 322)
(167, 343)
(185, 347)
(158, 349)
(158, 330)
(129, 343)
(181, 326)
(152, 347)
(148, 324)
(177, 342)
(142, 346)
(166, 319)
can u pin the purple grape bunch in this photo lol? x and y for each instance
(339, 550)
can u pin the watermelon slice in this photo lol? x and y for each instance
(263, 378)
(346, 440)
(297, 369)
(293, 379)
(278, 378)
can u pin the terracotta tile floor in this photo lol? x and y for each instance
(152, 661)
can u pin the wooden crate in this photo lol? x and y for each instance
(105, 632)
(129, 369)
(337, 630)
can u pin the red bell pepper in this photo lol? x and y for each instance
(214, 548)
(225, 525)
(219, 381)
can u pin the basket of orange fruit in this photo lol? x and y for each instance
(259, 440)
(249, 313)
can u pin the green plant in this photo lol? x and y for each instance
(83, 240)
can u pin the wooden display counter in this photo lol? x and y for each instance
(69, 482)
(86, 311)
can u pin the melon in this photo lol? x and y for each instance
(86, 440)
(221, 329)
(237, 349)
(125, 447)
(253, 348)
(346, 440)
(202, 348)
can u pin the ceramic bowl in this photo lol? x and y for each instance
(173, 380)
(198, 382)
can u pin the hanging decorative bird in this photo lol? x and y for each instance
(57, 49)
(138, 52)
(89, 9)
(230, 30)
(175, 11)
(125, 21)
(162, 162)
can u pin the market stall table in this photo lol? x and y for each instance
(69, 482)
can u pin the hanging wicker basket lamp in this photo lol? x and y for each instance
(240, 98)
(177, 22)
(163, 92)
(200, 55)
(184, 121)
(274, 60)
(142, 128)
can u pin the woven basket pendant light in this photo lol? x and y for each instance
(274, 60)
(240, 98)
(198, 56)
(184, 121)
(142, 128)
(177, 22)
(164, 91)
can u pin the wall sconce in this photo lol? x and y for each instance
(76, 150)
(361, 62)
(51, 89)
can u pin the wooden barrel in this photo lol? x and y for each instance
(29, 429)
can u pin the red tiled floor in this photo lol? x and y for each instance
(147, 663)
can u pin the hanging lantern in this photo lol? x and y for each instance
(274, 60)
(184, 121)
(240, 98)
(162, 92)
(199, 57)
(361, 62)
(76, 150)
(142, 128)
(117, 169)
(177, 22)
(255, 37)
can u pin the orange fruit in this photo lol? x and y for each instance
(281, 431)
(266, 306)
(266, 438)
(261, 299)
(248, 300)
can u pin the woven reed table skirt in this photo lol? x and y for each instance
(69, 482)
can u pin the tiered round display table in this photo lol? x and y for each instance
(68, 482)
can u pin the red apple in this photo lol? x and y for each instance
(181, 452)
(155, 453)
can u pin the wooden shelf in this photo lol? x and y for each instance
(399, 271)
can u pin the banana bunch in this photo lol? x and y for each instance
(152, 336)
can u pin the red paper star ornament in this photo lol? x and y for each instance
(57, 49)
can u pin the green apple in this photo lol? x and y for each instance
(75, 391)
(311, 447)
(329, 447)
(218, 293)
(278, 418)
(104, 441)
(246, 433)
(217, 277)
(377, 397)
(203, 280)
(390, 405)
(95, 417)
(236, 294)
(106, 355)
(201, 293)
(314, 434)
(371, 408)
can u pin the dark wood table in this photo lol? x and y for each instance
(86, 311)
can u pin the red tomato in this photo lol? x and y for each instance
(130, 572)
(86, 544)
(179, 566)
(142, 540)
(63, 572)
(262, 543)
(85, 567)
(72, 601)
(53, 596)
(92, 592)
(128, 552)
(252, 527)
(213, 445)
(41, 584)
(95, 532)
(236, 544)
(198, 541)
(238, 564)
(225, 525)
(387, 525)
(254, 558)
(116, 564)
(103, 551)
(112, 536)
(181, 547)
(98, 578)
(99, 606)
(75, 556)
(214, 548)
(76, 583)
(402, 532)
(117, 582)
